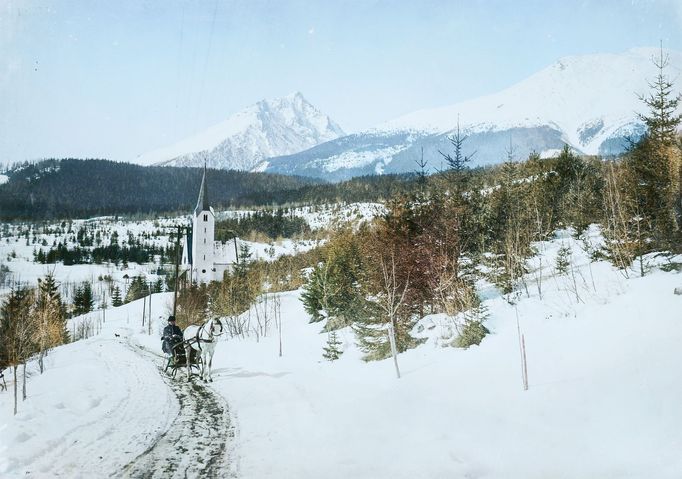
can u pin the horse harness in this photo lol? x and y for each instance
(198, 339)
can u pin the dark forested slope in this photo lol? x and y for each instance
(77, 188)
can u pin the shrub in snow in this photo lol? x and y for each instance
(332, 291)
(371, 331)
(471, 333)
(669, 267)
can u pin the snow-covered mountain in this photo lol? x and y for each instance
(269, 128)
(589, 102)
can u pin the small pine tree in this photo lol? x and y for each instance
(655, 162)
(88, 303)
(563, 260)
(332, 351)
(78, 301)
(116, 299)
(458, 161)
(662, 119)
(315, 296)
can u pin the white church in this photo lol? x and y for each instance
(203, 258)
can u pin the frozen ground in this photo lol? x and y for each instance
(603, 399)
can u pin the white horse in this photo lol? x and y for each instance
(203, 340)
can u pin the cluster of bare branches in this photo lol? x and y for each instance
(31, 323)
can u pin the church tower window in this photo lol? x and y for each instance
(205, 217)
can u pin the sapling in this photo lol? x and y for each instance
(332, 350)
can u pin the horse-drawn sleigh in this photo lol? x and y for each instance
(194, 349)
(178, 357)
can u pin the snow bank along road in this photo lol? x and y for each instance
(103, 408)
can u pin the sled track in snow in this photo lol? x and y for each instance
(199, 440)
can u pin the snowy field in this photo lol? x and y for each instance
(603, 399)
(17, 251)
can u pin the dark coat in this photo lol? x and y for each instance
(168, 340)
(171, 330)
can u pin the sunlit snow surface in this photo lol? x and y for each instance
(603, 399)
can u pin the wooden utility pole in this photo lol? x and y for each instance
(149, 322)
(177, 267)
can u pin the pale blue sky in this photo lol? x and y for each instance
(114, 79)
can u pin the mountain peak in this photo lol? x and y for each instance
(270, 127)
(297, 95)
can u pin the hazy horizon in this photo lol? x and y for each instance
(92, 79)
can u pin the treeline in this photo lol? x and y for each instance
(139, 253)
(133, 250)
(280, 223)
(73, 188)
(363, 188)
(426, 254)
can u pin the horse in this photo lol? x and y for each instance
(203, 340)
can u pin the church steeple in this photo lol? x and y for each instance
(203, 235)
(202, 202)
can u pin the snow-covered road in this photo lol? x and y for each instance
(106, 430)
(196, 443)
(104, 408)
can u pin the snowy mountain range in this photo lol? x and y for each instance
(589, 102)
(269, 128)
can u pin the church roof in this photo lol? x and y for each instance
(202, 202)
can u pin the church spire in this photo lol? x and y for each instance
(202, 202)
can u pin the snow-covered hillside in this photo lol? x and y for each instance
(589, 102)
(588, 98)
(603, 398)
(269, 128)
